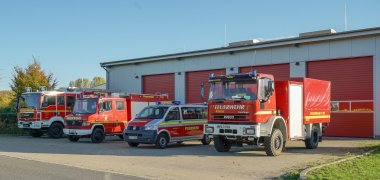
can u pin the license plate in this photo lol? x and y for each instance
(72, 131)
(223, 126)
(132, 137)
(26, 125)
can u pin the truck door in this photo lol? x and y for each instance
(120, 116)
(106, 116)
(173, 123)
(48, 107)
(70, 101)
(193, 120)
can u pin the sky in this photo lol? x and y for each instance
(71, 37)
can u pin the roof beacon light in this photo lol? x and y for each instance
(177, 102)
(212, 75)
(252, 73)
(28, 89)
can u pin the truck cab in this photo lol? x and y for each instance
(96, 117)
(165, 123)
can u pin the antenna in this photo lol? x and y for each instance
(345, 16)
(225, 34)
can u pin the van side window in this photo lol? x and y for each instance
(189, 113)
(119, 105)
(106, 106)
(173, 114)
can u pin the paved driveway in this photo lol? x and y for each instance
(188, 161)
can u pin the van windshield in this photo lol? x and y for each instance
(152, 112)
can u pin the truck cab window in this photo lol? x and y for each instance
(173, 115)
(70, 101)
(48, 101)
(61, 100)
(106, 106)
(119, 105)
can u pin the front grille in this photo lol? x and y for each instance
(228, 131)
(74, 123)
(135, 128)
(26, 115)
(230, 117)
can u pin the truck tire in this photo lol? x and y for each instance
(133, 144)
(55, 130)
(97, 135)
(312, 142)
(35, 133)
(73, 138)
(162, 141)
(206, 140)
(221, 144)
(274, 143)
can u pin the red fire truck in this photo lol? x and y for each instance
(253, 109)
(44, 111)
(167, 122)
(95, 117)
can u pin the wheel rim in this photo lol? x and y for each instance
(162, 141)
(277, 143)
(98, 136)
(56, 131)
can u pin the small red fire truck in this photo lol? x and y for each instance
(252, 108)
(95, 117)
(44, 111)
(167, 122)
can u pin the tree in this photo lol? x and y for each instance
(82, 83)
(32, 76)
(97, 80)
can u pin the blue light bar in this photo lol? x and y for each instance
(252, 73)
(211, 75)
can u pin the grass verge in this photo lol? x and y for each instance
(366, 167)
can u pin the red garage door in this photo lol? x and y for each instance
(193, 84)
(159, 83)
(351, 94)
(279, 71)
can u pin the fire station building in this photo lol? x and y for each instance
(349, 59)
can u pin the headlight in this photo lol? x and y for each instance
(250, 131)
(209, 129)
(86, 123)
(151, 127)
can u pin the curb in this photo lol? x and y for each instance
(303, 174)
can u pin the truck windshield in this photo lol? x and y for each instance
(233, 90)
(85, 106)
(152, 112)
(29, 100)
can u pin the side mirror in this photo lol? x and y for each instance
(271, 86)
(203, 91)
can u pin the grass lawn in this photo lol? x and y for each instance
(366, 167)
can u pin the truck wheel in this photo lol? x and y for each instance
(221, 144)
(312, 142)
(162, 141)
(206, 140)
(73, 138)
(274, 143)
(133, 144)
(35, 133)
(55, 130)
(97, 135)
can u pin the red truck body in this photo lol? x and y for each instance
(254, 109)
(96, 117)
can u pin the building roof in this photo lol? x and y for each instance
(264, 44)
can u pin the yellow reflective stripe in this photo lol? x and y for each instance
(27, 110)
(107, 122)
(265, 112)
(316, 117)
(169, 123)
(195, 121)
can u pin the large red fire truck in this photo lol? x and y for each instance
(167, 122)
(253, 109)
(95, 117)
(44, 111)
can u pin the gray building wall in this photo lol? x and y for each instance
(123, 77)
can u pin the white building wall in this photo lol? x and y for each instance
(123, 77)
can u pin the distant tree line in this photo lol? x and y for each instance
(86, 83)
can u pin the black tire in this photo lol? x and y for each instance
(221, 144)
(73, 138)
(206, 140)
(133, 144)
(274, 144)
(55, 130)
(162, 141)
(35, 133)
(97, 135)
(312, 142)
